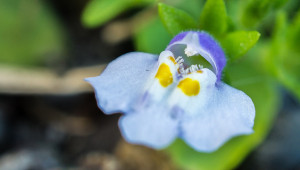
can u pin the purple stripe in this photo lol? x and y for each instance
(210, 45)
(178, 37)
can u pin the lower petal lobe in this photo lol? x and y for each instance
(230, 113)
(122, 82)
(151, 125)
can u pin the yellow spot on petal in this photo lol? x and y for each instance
(164, 75)
(199, 71)
(189, 86)
(172, 59)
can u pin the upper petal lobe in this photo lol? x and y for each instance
(229, 113)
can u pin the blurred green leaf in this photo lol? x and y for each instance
(277, 45)
(213, 17)
(237, 43)
(286, 68)
(98, 12)
(30, 35)
(294, 32)
(192, 6)
(283, 58)
(289, 60)
(256, 10)
(247, 77)
(230, 25)
(153, 38)
(279, 3)
(280, 31)
(175, 20)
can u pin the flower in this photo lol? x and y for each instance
(176, 94)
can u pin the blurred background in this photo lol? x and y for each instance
(48, 115)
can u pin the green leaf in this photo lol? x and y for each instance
(247, 77)
(214, 18)
(192, 6)
(279, 3)
(291, 80)
(280, 30)
(30, 34)
(175, 20)
(153, 38)
(283, 59)
(277, 45)
(256, 10)
(294, 32)
(286, 66)
(288, 58)
(237, 43)
(98, 12)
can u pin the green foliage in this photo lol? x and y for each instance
(175, 20)
(213, 18)
(191, 6)
(236, 44)
(279, 3)
(247, 77)
(283, 56)
(98, 12)
(256, 10)
(153, 38)
(30, 34)
(294, 32)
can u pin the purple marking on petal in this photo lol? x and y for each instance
(210, 45)
(176, 112)
(145, 96)
(178, 37)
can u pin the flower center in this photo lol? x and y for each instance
(188, 59)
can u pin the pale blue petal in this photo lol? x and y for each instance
(152, 126)
(121, 83)
(230, 113)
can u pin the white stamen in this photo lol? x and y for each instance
(193, 68)
(181, 68)
(189, 51)
(179, 60)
